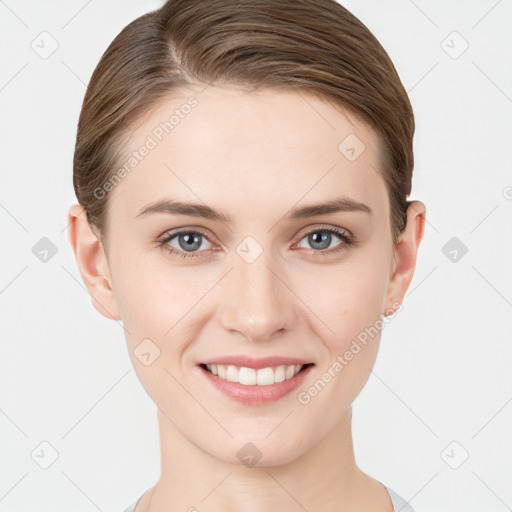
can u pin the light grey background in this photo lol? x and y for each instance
(442, 385)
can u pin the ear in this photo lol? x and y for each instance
(92, 263)
(405, 253)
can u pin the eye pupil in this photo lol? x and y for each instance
(320, 238)
(192, 241)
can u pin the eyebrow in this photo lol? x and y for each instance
(173, 207)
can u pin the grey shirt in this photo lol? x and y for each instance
(399, 503)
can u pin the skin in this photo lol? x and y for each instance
(254, 156)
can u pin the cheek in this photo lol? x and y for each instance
(154, 307)
(348, 297)
(349, 304)
(160, 302)
(149, 295)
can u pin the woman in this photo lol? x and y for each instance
(242, 171)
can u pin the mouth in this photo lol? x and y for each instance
(255, 386)
(247, 376)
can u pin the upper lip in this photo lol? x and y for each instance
(256, 362)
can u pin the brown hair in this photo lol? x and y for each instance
(313, 45)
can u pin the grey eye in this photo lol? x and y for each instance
(320, 239)
(188, 241)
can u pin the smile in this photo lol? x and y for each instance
(252, 377)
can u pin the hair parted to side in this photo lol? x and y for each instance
(316, 46)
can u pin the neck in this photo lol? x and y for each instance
(325, 477)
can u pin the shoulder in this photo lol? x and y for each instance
(399, 503)
(131, 508)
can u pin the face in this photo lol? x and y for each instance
(253, 270)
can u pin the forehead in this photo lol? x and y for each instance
(224, 146)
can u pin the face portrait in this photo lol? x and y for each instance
(256, 256)
(239, 235)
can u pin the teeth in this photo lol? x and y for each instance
(250, 377)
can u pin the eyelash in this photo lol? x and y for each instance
(347, 240)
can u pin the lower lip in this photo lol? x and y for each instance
(256, 394)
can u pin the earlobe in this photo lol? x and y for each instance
(405, 255)
(92, 263)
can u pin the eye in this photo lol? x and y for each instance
(320, 239)
(186, 243)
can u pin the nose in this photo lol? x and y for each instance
(255, 299)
